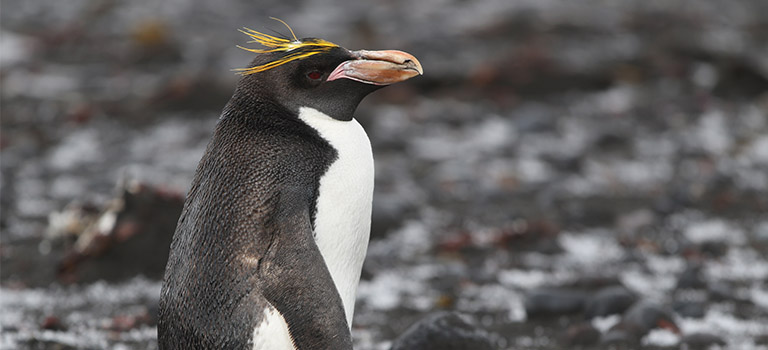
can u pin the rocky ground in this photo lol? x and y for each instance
(567, 174)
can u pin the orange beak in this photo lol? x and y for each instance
(378, 67)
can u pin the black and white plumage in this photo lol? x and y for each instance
(268, 250)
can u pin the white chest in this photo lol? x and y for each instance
(272, 333)
(343, 217)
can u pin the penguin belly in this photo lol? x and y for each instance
(343, 217)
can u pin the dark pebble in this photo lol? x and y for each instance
(622, 333)
(609, 301)
(690, 309)
(549, 247)
(444, 331)
(645, 316)
(53, 323)
(761, 339)
(714, 249)
(552, 302)
(722, 291)
(594, 282)
(637, 322)
(582, 334)
(36, 343)
(691, 278)
(696, 341)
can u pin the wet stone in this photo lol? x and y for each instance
(761, 339)
(444, 331)
(53, 323)
(695, 341)
(714, 249)
(554, 302)
(622, 334)
(48, 345)
(722, 291)
(644, 316)
(608, 301)
(595, 283)
(582, 334)
(691, 278)
(690, 309)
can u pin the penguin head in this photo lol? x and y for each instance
(318, 74)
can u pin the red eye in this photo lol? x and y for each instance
(314, 75)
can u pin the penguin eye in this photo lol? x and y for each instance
(314, 75)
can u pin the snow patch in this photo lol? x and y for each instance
(530, 279)
(492, 298)
(660, 337)
(739, 265)
(590, 248)
(14, 49)
(654, 287)
(387, 289)
(712, 134)
(719, 322)
(758, 150)
(714, 230)
(79, 148)
(603, 324)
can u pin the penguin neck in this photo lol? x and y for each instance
(343, 208)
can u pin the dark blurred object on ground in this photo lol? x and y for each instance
(554, 302)
(640, 319)
(444, 331)
(129, 236)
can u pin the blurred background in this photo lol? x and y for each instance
(566, 173)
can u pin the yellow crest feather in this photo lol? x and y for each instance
(294, 50)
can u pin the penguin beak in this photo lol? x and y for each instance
(378, 67)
